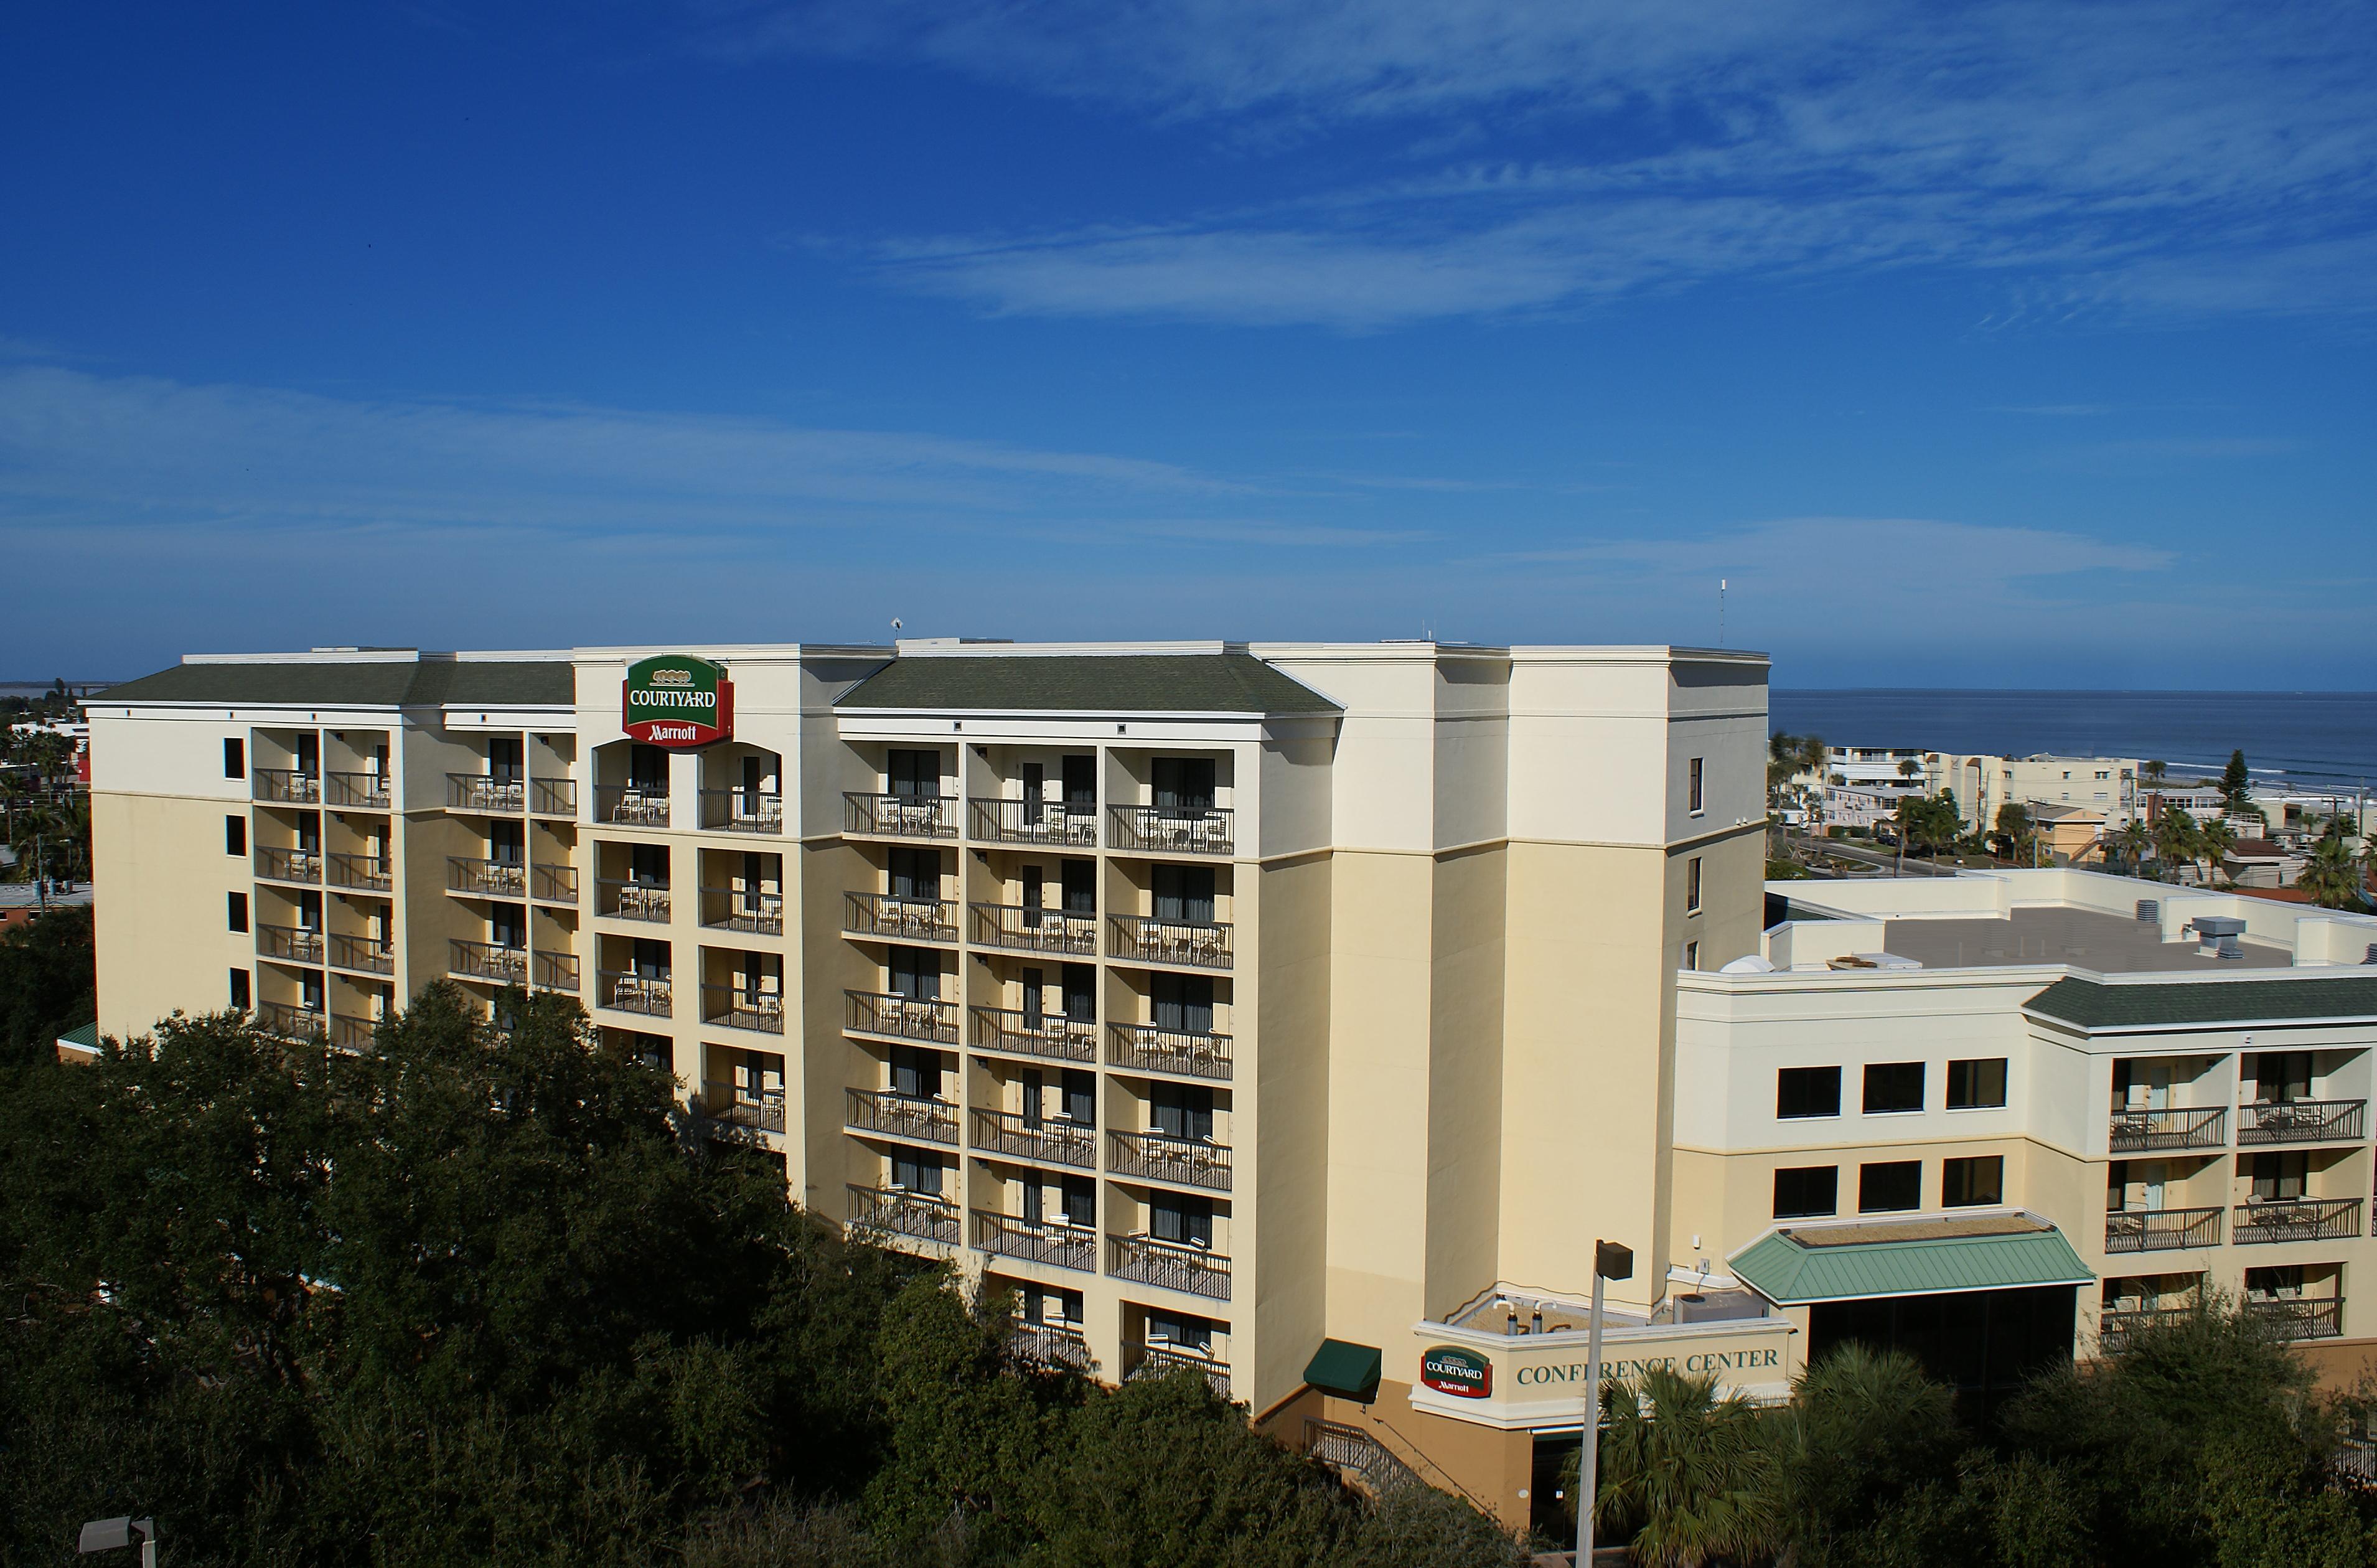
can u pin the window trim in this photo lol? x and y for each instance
(1865, 1090)
(1948, 1079)
(1696, 786)
(1692, 881)
(1832, 1115)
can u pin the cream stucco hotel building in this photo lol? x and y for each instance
(1300, 1013)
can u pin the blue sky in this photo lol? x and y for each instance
(1999, 344)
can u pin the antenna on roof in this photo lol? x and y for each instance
(1720, 612)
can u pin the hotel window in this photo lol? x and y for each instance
(1806, 1191)
(239, 994)
(1694, 771)
(239, 912)
(1692, 885)
(1080, 1196)
(1977, 1181)
(235, 758)
(1180, 1331)
(1973, 1086)
(1890, 1185)
(1806, 1091)
(2278, 1178)
(1692, 955)
(1893, 1087)
(1180, 1220)
(234, 835)
(916, 1173)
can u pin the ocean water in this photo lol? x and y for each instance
(2314, 738)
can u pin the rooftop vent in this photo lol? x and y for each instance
(2149, 912)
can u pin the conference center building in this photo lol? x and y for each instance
(1296, 1014)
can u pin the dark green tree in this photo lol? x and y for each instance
(2237, 782)
(46, 983)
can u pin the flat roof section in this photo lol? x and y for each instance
(2085, 939)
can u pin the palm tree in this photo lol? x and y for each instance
(2213, 842)
(2332, 876)
(2132, 842)
(2174, 840)
(1689, 1473)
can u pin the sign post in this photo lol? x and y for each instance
(1609, 1262)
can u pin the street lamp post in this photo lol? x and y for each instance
(1610, 1260)
(113, 1535)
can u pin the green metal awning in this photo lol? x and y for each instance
(1852, 1262)
(1350, 1371)
(84, 1038)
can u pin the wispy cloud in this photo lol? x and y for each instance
(1865, 557)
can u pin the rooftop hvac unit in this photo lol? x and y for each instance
(2222, 936)
(2149, 912)
(2372, 954)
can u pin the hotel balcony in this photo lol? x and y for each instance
(1045, 1345)
(2302, 1317)
(552, 797)
(1147, 1260)
(552, 884)
(903, 1018)
(735, 1105)
(742, 811)
(737, 909)
(629, 900)
(1149, 1048)
(1185, 944)
(1172, 829)
(624, 992)
(2302, 1121)
(486, 879)
(291, 944)
(900, 1116)
(370, 873)
(1060, 1246)
(364, 791)
(1027, 929)
(1032, 821)
(493, 795)
(1159, 1156)
(291, 1022)
(2297, 1219)
(889, 1211)
(287, 786)
(489, 961)
(1160, 1360)
(740, 1007)
(2114, 1328)
(365, 955)
(1051, 1036)
(2140, 1132)
(898, 816)
(288, 865)
(2158, 1230)
(557, 971)
(901, 919)
(632, 806)
(1051, 1141)
(352, 1034)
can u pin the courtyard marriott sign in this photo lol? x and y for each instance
(1536, 1380)
(678, 700)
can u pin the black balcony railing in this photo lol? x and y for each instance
(1170, 1267)
(488, 960)
(288, 865)
(494, 795)
(1034, 821)
(1161, 1361)
(902, 919)
(1027, 929)
(890, 1211)
(291, 1021)
(2298, 1317)
(898, 816)
(632, 806)
(287, 786)
(742, 811)
(740, 909)
(743, 1007)
(486, 879)
(291, 944)
(904, 1018)
(371, 873)
(1052, 1141)
(2297, 1219)
(552, 797)
(1060, 1246)
(2303, 1121)
(1159, 1156)
(900, 1116)
(552, 884)
(1049, 1035)
(1173, 830)
(737, 1104)
(623, 992)
(2192, 1126)
(2115, 1327)
(1048, 1344)
(367, 792)
(1150, 1048)
(1189, 943)
(369, 955)
(2157, 1230)
(632, 899)
(557, 971)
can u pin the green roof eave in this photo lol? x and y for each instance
(1349, 1371)
(85, 1036)
(1206, 684)
(388, 683)
(1790, 1274)
(2096, 1007)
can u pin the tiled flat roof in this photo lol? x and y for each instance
(2085, 939)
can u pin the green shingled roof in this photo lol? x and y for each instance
(2089, 1005)
(1918, 1257)
(392, 683)
(1095, 683)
